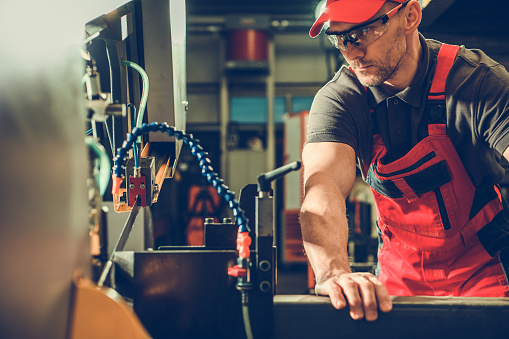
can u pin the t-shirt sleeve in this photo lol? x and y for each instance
(339, 112)
(493, 108)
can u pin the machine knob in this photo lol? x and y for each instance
(237, 271)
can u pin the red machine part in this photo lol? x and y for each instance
(204, 202)
(137, 187)
(247, 45)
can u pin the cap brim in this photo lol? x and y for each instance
(317, 26)
(347, 11)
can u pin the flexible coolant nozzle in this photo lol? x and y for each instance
(115, 187)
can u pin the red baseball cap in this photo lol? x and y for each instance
(348, 11)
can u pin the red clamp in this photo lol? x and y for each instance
(137, 187)
(237, 271)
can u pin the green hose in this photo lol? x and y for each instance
(144, 92)
(247, 323)
(245, 316)
(100, 151)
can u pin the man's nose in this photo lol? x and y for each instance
(353, 51)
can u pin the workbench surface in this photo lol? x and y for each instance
(309, 316)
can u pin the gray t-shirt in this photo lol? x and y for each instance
(477, 101)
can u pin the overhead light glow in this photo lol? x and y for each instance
(425, 3)
(178, 21)
(320, 7)
(92, 9)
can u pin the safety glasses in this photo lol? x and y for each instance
(366, 34)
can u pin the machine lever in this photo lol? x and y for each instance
(265, 179)
(122, 240)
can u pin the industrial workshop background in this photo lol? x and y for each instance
(236, 79)
(247, 75)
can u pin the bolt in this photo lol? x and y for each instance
(265, 286)
(264, 265)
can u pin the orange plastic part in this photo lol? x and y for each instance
(115, 187)
(243, 242)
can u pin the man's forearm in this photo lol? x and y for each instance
(325, 235)
(329, 175)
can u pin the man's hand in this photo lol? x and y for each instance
(362, 291)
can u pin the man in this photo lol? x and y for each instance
(432, 160)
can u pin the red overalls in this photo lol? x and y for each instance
(427, 216)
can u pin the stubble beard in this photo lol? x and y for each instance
(385, 68)
(381, 75)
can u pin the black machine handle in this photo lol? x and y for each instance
(265, 179)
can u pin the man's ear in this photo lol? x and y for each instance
(413, 16)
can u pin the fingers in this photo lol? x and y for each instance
(383, 298)
(334, 291)
(363, 292)
(336, 297)
(368, 298)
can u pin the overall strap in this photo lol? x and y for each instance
(445, 59)
(436, 96)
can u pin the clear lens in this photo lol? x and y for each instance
(364, 36)
(361, 37)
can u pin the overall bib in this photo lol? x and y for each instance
(429, 213)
